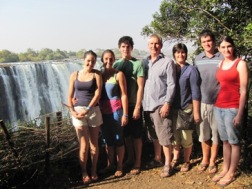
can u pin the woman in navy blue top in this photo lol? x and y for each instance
(85, 87)
(187, 98)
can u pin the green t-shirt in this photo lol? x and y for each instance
(132, 69)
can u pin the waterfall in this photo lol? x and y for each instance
(29, 90)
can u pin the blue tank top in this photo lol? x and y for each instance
(84, 91)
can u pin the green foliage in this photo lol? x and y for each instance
(80, 53)
(185, 19)
(7, 56)
(48, 54)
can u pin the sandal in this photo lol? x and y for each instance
(174, 163)
(135, 171)
(216, 178)
(224, 182)
(118, 174)
(212, 169)
(185, 167)
(166, 172)
(86, 179)
(94, 178)
(203, 167)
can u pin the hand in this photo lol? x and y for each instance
(79, 115)
(197, 119)
(136, 114)
(164, 110)
(124, 121)
(74, 100)
(237, 120)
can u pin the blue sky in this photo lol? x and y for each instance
(73, 24)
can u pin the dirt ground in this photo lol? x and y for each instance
(67, 174)
(150, 178)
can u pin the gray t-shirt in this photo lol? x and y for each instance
(207, 68)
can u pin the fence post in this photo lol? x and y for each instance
(47, 132)
(59, 119)
(8, 138)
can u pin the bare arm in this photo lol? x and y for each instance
(243, 75)
(137, 112)
(97, 94)
(196, 111)
(124, 98)
(71, 95)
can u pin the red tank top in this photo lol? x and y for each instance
(229, 94)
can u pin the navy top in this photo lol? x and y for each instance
(187, 86)
(84, 91)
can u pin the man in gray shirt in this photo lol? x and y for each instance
(159, 92)
(207, 64)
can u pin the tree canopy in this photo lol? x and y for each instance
(185, 19)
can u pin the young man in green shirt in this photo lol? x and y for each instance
(134, 74)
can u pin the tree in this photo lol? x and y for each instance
(80, 53)
(7, 56)
(184, 19)
(45, 54)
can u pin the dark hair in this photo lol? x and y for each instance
(127, 40)
(228, 39)
(89, 52)
(107, 51)
(205, 33)
(158, 37)
(178, 47)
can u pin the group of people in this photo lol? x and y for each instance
(127, 91)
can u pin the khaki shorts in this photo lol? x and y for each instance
(92, 119)
(182, 137)
(208, 130)
(163, 127)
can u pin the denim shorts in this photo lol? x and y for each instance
(224, 118)
(112, 131)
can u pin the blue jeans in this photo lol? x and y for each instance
(224, 119)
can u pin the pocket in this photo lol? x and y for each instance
(233, 111)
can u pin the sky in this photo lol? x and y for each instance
(73, 25)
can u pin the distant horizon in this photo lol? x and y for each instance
(167, 48)
(73, 25)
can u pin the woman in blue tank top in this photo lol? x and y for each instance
(85, 86)
(114, 107)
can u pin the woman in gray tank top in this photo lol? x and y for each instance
(85, 88)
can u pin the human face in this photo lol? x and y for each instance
(125, 50)
(227, 49)
(108, 60)
(207, 44)
(155, 46)
(180, 56)
(89, 61)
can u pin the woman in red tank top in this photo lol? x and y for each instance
(229, 107)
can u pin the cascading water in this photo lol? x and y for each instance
(29, 90)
